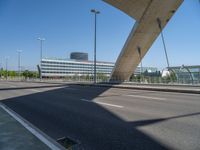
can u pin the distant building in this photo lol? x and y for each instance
(79, 56)
(80, 66)
(70, 67)
(146, 70)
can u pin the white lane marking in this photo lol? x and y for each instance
(178, 94)
(147, 97)
(13, 86)
(54, 88)
(34, 90)
(109, 104)
(32, 130)
(102, 103)
(86, 100)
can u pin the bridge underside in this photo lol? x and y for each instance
(144, 32)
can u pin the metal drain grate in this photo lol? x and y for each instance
(67, 142)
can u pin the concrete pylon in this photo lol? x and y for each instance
(144, 32)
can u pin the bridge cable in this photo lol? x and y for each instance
(165, 49)
(163, 40)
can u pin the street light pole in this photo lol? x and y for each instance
(41, 42)
(6, 68)
(19, 62)
(95, 35)
(1, 69)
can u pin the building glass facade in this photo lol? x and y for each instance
(69, 67)
(62, 67)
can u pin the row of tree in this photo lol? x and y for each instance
(154, 77)
(12, 74)
(144, 77)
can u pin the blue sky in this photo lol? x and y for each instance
(67, 26)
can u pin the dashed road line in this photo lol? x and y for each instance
(102, 103)
(147, 97)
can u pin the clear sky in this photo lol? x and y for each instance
(67, 26)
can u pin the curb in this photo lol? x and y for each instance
(44, 138)
(162, 88)
(143, 88)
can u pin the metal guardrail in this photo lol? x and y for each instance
(144, 81)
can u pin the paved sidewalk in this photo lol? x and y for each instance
(14, 136)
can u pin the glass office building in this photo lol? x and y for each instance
(71, 67)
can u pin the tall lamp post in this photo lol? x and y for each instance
(95, 35)
(19, 62)
(1, 69)
(6, 68)
(41, 42)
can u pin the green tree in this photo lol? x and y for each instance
(102, 76)
(29, 74)
(171, 77)
(12, 73)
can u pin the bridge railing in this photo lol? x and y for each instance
(90, 79)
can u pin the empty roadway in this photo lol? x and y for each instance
(108, 118)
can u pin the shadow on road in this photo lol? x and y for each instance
(32, 87)
(154, 121)
(60, 112)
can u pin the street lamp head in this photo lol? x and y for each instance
(95, 11)
(41, 39)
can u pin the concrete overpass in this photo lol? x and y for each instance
(144, 32)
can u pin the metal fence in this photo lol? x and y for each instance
(138, 80)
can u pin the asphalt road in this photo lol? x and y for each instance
(108, 118)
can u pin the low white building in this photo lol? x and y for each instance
(69, 67)
(53, 67)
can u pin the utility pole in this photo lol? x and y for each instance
(41, 42)
(95, 29)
